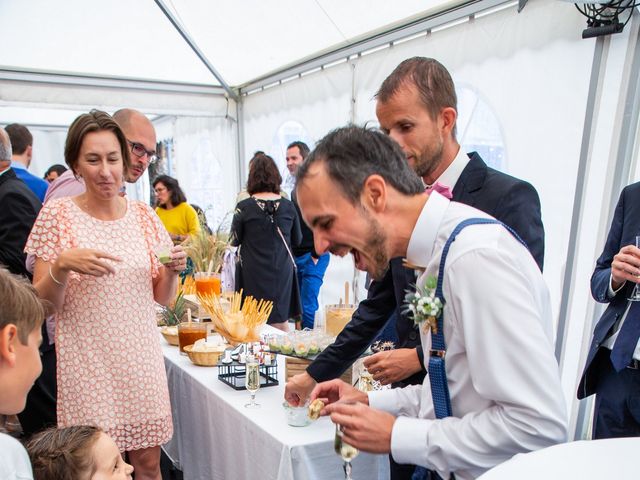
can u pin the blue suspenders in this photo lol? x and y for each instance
(436, 368)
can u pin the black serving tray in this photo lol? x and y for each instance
(233, 374)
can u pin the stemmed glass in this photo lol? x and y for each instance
(635, 295)
(252, 380)
(346, 452)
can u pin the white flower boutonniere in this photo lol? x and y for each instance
(423, 305)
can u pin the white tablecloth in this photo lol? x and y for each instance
(215, 437)
(613, 458)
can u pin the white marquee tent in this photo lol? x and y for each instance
(221, 80)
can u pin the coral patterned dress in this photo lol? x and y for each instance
(110, 364)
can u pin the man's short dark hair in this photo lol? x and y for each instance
(430, 77)
(20, 137)
(263, 175)
(303, 148)
(352, 154)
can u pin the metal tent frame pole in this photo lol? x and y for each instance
(192, 44)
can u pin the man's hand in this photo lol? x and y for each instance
(625, 266)
(298, 389)
(393, 365)
(337, 390)
(363, 427)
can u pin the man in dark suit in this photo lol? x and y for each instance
(612, 370)
(19, 208)
(416, 106)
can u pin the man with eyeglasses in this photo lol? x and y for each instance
(40, 410)
(141, 137)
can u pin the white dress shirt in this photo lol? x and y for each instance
(14, 461)
(452, 174)
(503, 377)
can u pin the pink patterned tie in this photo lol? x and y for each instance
(442, 189)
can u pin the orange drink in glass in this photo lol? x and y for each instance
(337, 316)
(208, 283)
(190, 332)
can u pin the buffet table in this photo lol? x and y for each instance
(215, 437)
(611, 458)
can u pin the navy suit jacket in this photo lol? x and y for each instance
(510, 200)
(19, 208)
(624, 228)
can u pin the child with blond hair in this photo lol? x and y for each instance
(21, 318)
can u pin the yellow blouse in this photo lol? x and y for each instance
(180, 220)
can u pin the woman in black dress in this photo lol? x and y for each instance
(265, 226)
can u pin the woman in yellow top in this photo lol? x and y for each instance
(178, 217)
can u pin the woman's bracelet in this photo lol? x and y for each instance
(54, 278)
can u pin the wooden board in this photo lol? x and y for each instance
(294, 366)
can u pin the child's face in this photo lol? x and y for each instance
(25, 364)
(108, 461)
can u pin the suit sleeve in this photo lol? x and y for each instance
(17, 216)
(370, 317)
(602, 272)
(296, 231)
(520, 210)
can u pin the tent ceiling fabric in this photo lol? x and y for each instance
(248, 39)
(116, 38)
(243, 40)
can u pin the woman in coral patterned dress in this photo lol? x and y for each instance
(96, 265)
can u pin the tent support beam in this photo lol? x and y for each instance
(83, 80)
(174, 21)
(414, 28)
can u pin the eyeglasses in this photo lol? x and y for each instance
(139, 151)
(159, 190)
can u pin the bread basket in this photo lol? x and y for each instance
(204, 359)
(172, 339)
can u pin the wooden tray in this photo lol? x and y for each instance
(294, 366)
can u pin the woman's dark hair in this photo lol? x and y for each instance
(94, 121)
(63, 453)
(263, 175)
(59, 169)
(171, 184)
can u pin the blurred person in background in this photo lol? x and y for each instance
(95, 263)
(54, 171)
(311, 265)
(243, 194)
(22, 146)
(265, 226)
(20, 207)
(179, 218)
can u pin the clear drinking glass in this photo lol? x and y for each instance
(252, 380)
(635, 295)
(345, 451)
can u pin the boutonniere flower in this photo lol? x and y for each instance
(423, 305)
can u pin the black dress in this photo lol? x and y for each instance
(266, 269)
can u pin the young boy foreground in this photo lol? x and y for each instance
(21, 317)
